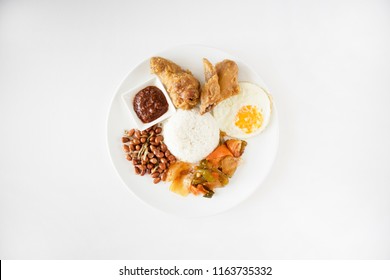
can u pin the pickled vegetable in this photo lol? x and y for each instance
(236, 147)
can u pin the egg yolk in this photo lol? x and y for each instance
(248, 119)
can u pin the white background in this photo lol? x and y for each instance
(327, 65)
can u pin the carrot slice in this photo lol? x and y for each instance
(194, 190)
(219, 152)
(215, 175)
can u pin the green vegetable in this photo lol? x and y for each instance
(223, 179)
(197, 181)
(206, 174)
(209, 193)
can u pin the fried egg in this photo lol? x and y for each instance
(246, 114)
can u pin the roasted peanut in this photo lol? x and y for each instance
(172, 158)
(158, 139)
(162, 166)
(164, 175)
(156, 180)
(131, 132)
(141, 167)
(160, 154)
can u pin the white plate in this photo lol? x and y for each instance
(256, 161)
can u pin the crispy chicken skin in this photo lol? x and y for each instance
(182, 86)
(227, 71)
(210, 95)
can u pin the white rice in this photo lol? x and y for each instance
(190, 136)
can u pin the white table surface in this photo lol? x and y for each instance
(327, 64)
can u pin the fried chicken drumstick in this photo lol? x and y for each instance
(221, 82)
(210, 95)
(227, 71)
(181, 85)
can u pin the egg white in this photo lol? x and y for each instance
(226, 111)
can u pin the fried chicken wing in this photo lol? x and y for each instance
(227, 71)
(182, 86)
(210, 95)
